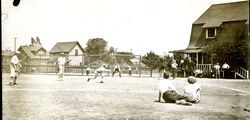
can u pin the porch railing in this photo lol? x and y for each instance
(204, 66)
(241, 72)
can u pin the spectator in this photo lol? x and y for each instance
(174, 66)
(189, 67)
(217, 70)
(129, 71)
(226, 70)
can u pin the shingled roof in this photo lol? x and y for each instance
(218, 13)
(65, 47)
(28, 50)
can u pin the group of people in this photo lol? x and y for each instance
(187, 65)
(217, 69)
(169, 93)
(167, 90)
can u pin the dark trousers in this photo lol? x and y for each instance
(189, 73)
(172, 96)
(174, 71)
(116, 70)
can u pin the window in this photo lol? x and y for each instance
(76, 52)
(211, 32)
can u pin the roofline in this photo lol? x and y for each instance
(79, 46)
(224, 21)
(67, 42)
(229, 2)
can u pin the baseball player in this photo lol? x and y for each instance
(61, 61)
(168, 92)
(99, 71)
(117, 69)
(192, 90)
(14, 69)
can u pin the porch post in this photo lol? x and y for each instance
(197, 62)
(202, 57)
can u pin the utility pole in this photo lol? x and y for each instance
(15, 44)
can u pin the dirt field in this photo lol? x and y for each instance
(43, 97)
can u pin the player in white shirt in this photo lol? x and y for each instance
(99, 71)
(14, 62)
(61, 62)
(192, 90)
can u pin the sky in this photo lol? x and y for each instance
(137, 26)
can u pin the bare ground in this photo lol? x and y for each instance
(43, 97)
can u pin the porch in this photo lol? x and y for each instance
(205, 63)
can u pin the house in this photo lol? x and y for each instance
(34, 53)
(220, 22)
(73, 51)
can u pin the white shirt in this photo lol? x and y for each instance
(225, 66)
(117, 67)
(61, 60)
(14, 60)
(88, 69)
(192, 91)
(101, 69)
(217, 67)
(166, 85)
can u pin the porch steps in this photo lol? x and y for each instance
(241, 72)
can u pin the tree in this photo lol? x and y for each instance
(151, 60)
(234, 53)
(96, 46)
(111, 50)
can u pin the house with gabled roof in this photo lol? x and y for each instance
(220, 22)
(73, 51)
(34, 53)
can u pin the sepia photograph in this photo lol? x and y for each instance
(125, 59)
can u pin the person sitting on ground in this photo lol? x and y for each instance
(170, 94)
(192, 90)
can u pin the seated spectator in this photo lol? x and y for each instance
(192, 90)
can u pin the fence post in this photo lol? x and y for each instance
(82, 64)
(247, 76)
(140, 66)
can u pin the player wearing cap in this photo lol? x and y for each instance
(61, 62)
